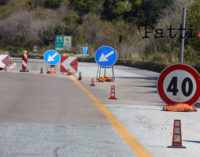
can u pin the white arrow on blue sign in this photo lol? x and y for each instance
(106, 56)
(84, 50)
(52, 57)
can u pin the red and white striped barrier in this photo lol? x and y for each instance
(24, 62)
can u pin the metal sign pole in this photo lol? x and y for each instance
(97, 73)
(105, 72)
(113, 74)
(183, 35)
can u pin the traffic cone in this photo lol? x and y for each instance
(79, 76)
(92, 82)
(112, 92)
(177, 135)
(41, 70)
(3, 69)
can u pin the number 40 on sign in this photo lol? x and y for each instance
(179, 83)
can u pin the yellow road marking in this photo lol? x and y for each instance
(124, 133)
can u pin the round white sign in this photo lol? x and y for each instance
(179, 86)
(179, 83)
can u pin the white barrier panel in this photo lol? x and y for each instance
(4, 61)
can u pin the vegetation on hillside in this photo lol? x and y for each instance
(93, 23)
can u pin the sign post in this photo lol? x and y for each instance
(59, 43)
(67, 42)
(183, 35)
(63, 42)
(52, 57)
(179, 83)
(35, 48)
(68, 64)
(84, 50)
(105, 57)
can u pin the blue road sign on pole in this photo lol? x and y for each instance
(106, 56)
(84, 50)
(52, 57)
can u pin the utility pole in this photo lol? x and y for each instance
(183, 35)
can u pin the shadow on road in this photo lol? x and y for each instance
(192, 141)
(144, 78)
(197, 105)
(147, 86)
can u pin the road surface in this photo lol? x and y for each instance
(46, 116)
(55, 116)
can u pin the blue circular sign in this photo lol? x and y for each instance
(106, 56)
(52, 57)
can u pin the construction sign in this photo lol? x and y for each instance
(4, 61)
(69, 64)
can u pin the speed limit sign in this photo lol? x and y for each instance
(179, 83)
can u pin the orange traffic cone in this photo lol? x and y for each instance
(112, 92)
(177, 136)
(3, 69)
(79, 76)
(41, 70)
(92, 82)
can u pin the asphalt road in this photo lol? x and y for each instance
(45, 116)
(54, 117)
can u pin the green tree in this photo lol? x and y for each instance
(52, 3)
(113, 9)
(3, 2)
(141, 12)
(82, 6)
(193, 20)
(146, 12)
(71, 22)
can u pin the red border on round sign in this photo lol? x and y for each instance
(174, 67)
